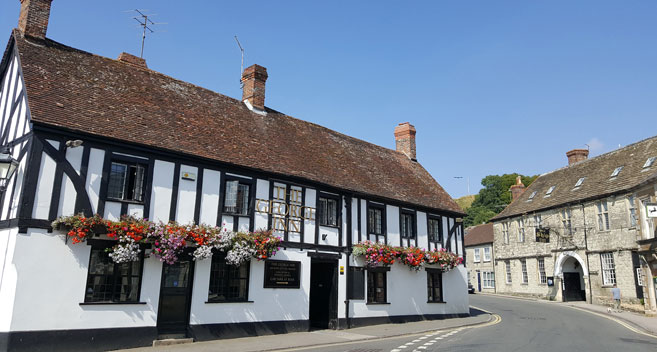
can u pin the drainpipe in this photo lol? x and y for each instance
(586, 248)
(348, 286)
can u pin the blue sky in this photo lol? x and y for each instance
(492, 86)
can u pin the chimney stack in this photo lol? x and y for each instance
(253, 86)
(132, 60)
(33, 20)
(517, 189)
(405, 139)
(577, 155)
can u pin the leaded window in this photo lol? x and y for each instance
(407, 225)
(566, 221)
(507, 264)
(375, 220)
(228, 283)
(435, 230)
(111, 282)
(521, 230)
(505, 232)
(525, 277)
(434, 286)
(237, 198)
(608, 268)
(376, 286)
(126, 181)
(632, 211)
(327, 212)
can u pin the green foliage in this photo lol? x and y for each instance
(493, 198)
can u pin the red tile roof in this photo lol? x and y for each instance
(79, 91)
(478, 235)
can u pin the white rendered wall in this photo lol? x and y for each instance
(94, 176)
(422, 234)
(52, 293)
(309, 225)
(186, 196)
(269, 304)
(162, 192)
(407, 294)
(262, 192)
(68, 194)
(45, 183)
(392, 223)
(210, 197)
(112, 211)
(8, 277)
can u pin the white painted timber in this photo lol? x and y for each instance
(45, 183)
(210, 197)
(422, 232)
(112, 211)
(94, 176)
(68, 194)
(186, 196)
(392, 221)
(309, 225)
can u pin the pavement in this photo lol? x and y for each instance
(640, 321)
(327, 337)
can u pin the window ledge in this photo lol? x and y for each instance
(439, 302)
(330, 226)
(108, 303)
(240, 301)
(123, 201)
(376, 303)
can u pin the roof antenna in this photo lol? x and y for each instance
(242, 65)
(145, 23)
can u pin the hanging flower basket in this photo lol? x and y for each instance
(378, 254)
(169, 240)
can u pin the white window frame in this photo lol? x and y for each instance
(640, 279)
(488, 279)
(649, 162)
(523, 266)
(477, 255)
(542, 275)
(579, 182)
(507, 265)
(550, 190)
(603, 215)
(608, 268)
(521, 230)
(531, 196)
(616, 172)
(486, 254)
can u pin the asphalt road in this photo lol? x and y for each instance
(524, 326)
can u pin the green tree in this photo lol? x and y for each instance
(493, 198)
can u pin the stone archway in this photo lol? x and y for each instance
(573, 274)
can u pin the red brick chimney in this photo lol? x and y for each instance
(253, 89)
(132, 60)
(405, 139)
(577, 155)
(517, 189)
(33, 20)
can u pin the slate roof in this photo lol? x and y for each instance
(597, 182)
(479, 234)
(79, 91)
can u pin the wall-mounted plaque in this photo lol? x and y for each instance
(543, 235)
(282, 274)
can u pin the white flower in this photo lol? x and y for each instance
(125, 252)
(203, 252)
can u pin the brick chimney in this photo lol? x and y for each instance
(577, 155)
(405, 139)
(253, 89)
(33, 20)
(132, 60)
(517, 189)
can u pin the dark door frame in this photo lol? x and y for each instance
(478, 281)
(333, 297)
(190, 291)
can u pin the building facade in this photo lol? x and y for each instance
(94, 135)
(480, 258)
(577, 231)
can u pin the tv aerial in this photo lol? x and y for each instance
(145, 23)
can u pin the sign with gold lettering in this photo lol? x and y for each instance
(282, 274)
(286, 209)
(542, 235)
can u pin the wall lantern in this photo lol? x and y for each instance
(8, 166)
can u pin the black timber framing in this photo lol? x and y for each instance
(84, 169)
(360, 218)
(174, 192)
(31, 179)
(199, 195)
(21, 155)
(57, 183)
(149, 188)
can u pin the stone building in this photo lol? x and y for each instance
(479, 257)
(577, 231)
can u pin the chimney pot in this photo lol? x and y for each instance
(34, 16)
(577, 155)
(405, 139)
(518, 189)
(132, 60)
(253, 86)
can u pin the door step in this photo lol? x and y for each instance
(172, 339)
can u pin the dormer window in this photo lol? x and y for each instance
(579, 182)
(549, 191)
(649, 162)
(616, 171)
(531, 196)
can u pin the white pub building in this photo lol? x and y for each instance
(93, 135)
